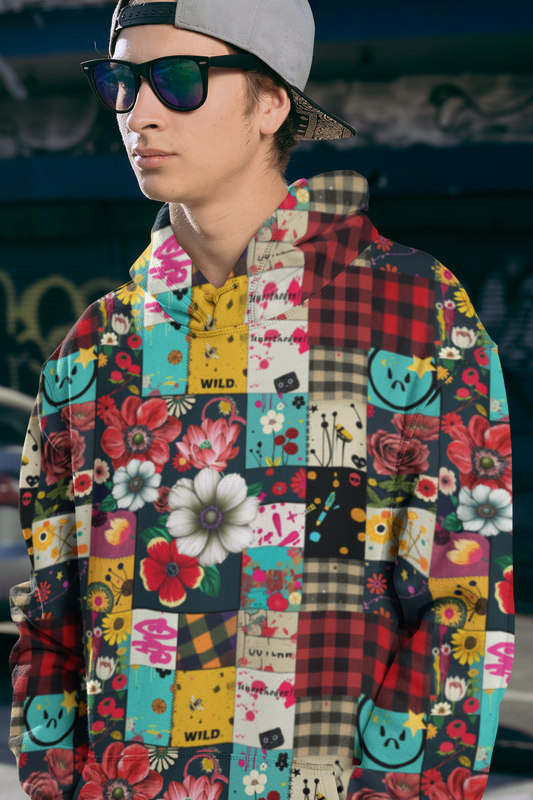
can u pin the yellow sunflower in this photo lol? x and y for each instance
(449, 613)
(44, 536)
(129, 294)
(468, 646)
(443, 275)
(116, 627)
(464, 305)
(99, 598)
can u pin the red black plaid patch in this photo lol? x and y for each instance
(406, 686)
(83, 334)
(380, 647)
(364, 308)
(329, 654)
(48, 657)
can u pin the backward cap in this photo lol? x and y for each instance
(281, 33)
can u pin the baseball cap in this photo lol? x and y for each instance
(279, 32)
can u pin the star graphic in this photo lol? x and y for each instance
(314, 408)
(296, 771)
(70, 701)
(415, 722)
(87, 355)
(421, 366)
(404, 574)
(59, 575)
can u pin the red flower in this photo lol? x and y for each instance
(468, 738)
(134, 369)
(79, 415)
(482, 452)
(80, 754)
(82, 483)
(298, 483)
(62, 455)
(140, 430)
(383, 244)
(429, 779)
(280, 439)
(61, 765)
(126, 768)
(134, 341)
(481, 357)
(210, 445)
(104, 406)
(471, 705)
(167, 571)
(456, 729)
(279, 488)
(42, 592)
(161, 504)
(123, 360)
(289, 202)
(377, 584)
(461, 785)
(368, 794)
(450, 421)
(118, 713)
(119, 682)
(291, 448)
(482, 389)
(470, 376)
(427, 488)
(181, 464)
(292, 433)
(23, 759)
(446, 747)
(402, 786)
(97, 726)
(503, 591)
(387, 448)
(426, 429)
(41, 786)
(463, 394)
(106, 706)
(116, 376)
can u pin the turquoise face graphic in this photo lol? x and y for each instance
(402, 383)
(48, 722)
(387, 743)
(71, 379)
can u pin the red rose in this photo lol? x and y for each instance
(385, 449)
(427, 428)
(161, 504)
(402, 786)
(62, 455)
(61, 765)
(79, 415)
(41, 786)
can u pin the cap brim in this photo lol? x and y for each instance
(315, 122)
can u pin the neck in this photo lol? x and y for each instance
(215, 232)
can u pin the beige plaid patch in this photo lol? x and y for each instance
(324, 725)
(332, 585)
(340, 192)
(19, 601)
(336, 373)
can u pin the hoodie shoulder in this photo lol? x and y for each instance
(389, 256)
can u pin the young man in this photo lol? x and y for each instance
(266, 489)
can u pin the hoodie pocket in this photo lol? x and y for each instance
(313, 781)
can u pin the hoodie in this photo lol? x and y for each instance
(269, 527)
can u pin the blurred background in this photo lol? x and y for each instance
(442, 98)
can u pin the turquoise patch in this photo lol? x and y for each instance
(166, 359)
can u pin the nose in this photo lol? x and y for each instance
(148, 111)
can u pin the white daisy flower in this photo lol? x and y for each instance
(485, 510)
(272, 422)
(136, 484)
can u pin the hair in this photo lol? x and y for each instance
(259, 82)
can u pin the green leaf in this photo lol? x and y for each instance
(375, 499)
(157, 532)
(482, 411)
(504, 561)
(389, 485)
(210, 584)
(109, 484)
(452, 523)
(438, 720)
(108, 350)
(254, 489)
(448, 363)
(455, 500)
(108, 503)
(134, 389)
(162, 520)
(39, 512)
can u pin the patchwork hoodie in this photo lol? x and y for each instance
(269, 527)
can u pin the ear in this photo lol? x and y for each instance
(276, 105)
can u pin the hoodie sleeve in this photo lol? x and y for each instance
(48, 725)
(438, 559)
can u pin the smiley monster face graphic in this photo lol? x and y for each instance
(71, 379)
(391, 740)
(402, 383)
(49, 720)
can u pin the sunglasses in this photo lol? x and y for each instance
(179, 82)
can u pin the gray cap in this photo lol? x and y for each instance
(279, 32)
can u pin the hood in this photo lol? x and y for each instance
(317, 231)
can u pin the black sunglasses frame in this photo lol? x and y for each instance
(244, 61)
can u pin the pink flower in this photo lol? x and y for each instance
(195, 788)
(482, 452)
(210, 445)
(121, 768)
(140, 430)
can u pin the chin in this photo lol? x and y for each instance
(156, 188)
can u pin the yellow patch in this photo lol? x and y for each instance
(212, 725)
(120, 582)
(218, 363)
(472, 599)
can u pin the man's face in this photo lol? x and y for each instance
(209, 147)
